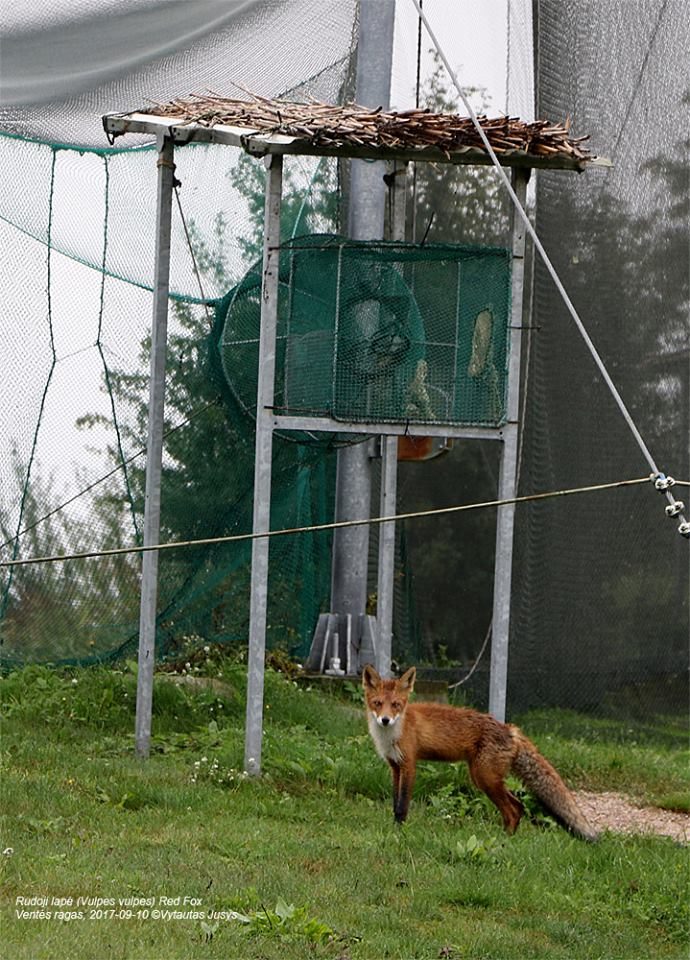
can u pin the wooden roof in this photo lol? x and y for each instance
(261, 125)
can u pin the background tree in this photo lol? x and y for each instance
(638, 266)
(457, 204)
(209, 447)
(207, 476)
(54, 611)
(597, 579)
(451, 559)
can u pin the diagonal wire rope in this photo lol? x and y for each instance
(545, 258)
(204, 300)
(335, 525)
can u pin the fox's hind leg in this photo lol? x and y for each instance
(491, 781)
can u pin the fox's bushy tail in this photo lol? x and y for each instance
(539, 776)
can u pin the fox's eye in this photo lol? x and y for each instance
(377, 704)
(396, 704)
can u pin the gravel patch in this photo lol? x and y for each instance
(615, 811)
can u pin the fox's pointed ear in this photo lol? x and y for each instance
(407, 679)
(370, 677)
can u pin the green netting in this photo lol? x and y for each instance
(367, 331)
(77, 227)
(88, 610)
(600, 600)
(384, 332)
(72, 473)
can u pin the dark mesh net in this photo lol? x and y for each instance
(601, 600)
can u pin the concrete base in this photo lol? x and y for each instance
(343, 644)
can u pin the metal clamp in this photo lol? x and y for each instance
(673, 509)
(684, 529)
(661, 482)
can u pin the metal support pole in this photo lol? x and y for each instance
(262, 468)
(365, 222)
(154, 450)
(386, 572)
(389, 465)
(507, 481)
(351, 544)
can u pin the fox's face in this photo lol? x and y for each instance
(386, 699)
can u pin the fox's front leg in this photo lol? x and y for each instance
(395, 775)
(403, 781)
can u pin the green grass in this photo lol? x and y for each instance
(306, 861)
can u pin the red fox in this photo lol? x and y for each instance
(405, 733)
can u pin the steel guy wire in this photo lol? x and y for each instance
(314, 528)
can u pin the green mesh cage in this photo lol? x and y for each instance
(379, 332)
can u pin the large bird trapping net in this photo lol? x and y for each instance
(600, 583)
(612, 568)
(77, 224)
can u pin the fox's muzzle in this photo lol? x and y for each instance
(384, 721)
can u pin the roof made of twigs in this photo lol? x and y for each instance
(353, 130)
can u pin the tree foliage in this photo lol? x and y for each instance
(207, 475)
(457, 204)
(451, 558)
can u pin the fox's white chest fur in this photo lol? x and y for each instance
(386, 738)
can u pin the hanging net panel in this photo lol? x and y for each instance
(77, 228)
(600, 597)
(610, 569)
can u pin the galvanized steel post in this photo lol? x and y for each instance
(154, 450)
(386, 567)
(365, 222)
(507, 481)
(397, 182)
(262, 468)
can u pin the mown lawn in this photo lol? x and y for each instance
(306, 861)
